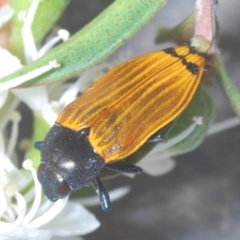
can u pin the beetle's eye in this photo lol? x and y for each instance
(54, 186)
(62, 189)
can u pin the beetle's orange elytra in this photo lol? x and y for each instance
(135, 99)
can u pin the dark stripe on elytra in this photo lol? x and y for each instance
(172, 52)
(191, 67)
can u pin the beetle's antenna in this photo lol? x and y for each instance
(124, 168)
(102, 194)
(38, 145)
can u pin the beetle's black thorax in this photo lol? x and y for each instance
(70, 154)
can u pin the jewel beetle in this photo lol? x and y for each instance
(125, 108)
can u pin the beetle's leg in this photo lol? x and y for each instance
(38, 145)
(102, 194)
(124, 168)
(157, 137)
(160, 135)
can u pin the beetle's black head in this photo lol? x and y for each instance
(68, 162)
(53, 185)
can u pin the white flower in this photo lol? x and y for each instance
(40, 220)
(23, 212)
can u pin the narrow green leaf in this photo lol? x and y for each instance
(95, 41)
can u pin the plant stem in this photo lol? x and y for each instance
(205, 26)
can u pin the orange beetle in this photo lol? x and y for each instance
(128, 106)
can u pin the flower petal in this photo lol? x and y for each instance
(8, 63)
(158, 167)
(67, 238)
(73, 220)
(3, 97)
(35, 97)
(113, 194)
(17, 177)
(6, 12)
(11, 231)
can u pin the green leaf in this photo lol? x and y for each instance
(40, 128)
(182, 33)
(201, 105)
(47, 14)
(98, 39)
(229, 87)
